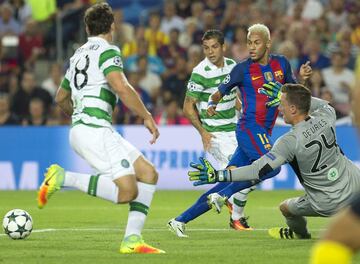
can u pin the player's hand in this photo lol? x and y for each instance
(206, 139)
(211, 108)
(305, 71)
(273, 91)
(149, 123)
(204, 174)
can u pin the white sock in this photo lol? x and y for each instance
(93, 185)
(238, 203)
(139, 209)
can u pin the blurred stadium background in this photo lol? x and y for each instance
(160, 43)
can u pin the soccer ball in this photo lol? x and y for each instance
(17, 224)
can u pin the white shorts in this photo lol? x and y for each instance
(107, 152)
(223, 147)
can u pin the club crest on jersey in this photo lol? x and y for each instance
(268, 76)
(279, 75)
(227, 79)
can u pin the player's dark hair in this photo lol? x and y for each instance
(98, 19)
(298, 95)
(214, 34)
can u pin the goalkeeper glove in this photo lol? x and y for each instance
(273, 91)
(206, 173)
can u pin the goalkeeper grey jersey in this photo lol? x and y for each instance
(329, 178)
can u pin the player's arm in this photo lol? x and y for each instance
(234, 78)
(63, 97)
(279, 155)
(131, 99)
(192, 114)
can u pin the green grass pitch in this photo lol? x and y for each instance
(76, 228)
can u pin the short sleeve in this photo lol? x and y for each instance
(194, 86)
(110, 60)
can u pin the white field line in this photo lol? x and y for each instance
(145, 230)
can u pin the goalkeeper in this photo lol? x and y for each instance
(329, 178)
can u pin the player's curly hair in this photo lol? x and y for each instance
(298, 95)
(98, 19)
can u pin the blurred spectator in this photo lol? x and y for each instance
(37, 114)
(123, 115)
(338, 80)
(323, 32)
(6, 117)
(316, 83)
(70, 13)
(155, 63)
(131, 47)
(217, 7)
(354, 24)
(194, 55)
(312, 10)
(124, 32)
(148, 80)
(169, 53)
(8, 24)
(328, 96)
(171, 20)
(229, 21)
(186, 37)
(197, 9)
(337, 15)
(52, 83)
(296, 33)
(312, 53)
(209, 22)
(153, 35)
(30, 44)
(171, 114)
(42, 11)
(289, 50)
(22, 11)
(238, 48)
(29, 90)
(175, 84)
(183, 8)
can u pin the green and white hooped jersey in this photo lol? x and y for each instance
(204, 80)
(93, 99)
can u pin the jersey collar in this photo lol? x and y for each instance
(97, 39)
(213, 66)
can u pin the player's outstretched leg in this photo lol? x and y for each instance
(198, 208)
(54, 179)
(177, 227)
(292, 209)
(144, 185)
(236, 204)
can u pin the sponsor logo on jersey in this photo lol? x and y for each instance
(333, 174)
(254, 78)
(268, 76)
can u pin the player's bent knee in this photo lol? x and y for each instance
(284, 209)
(126, 196)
